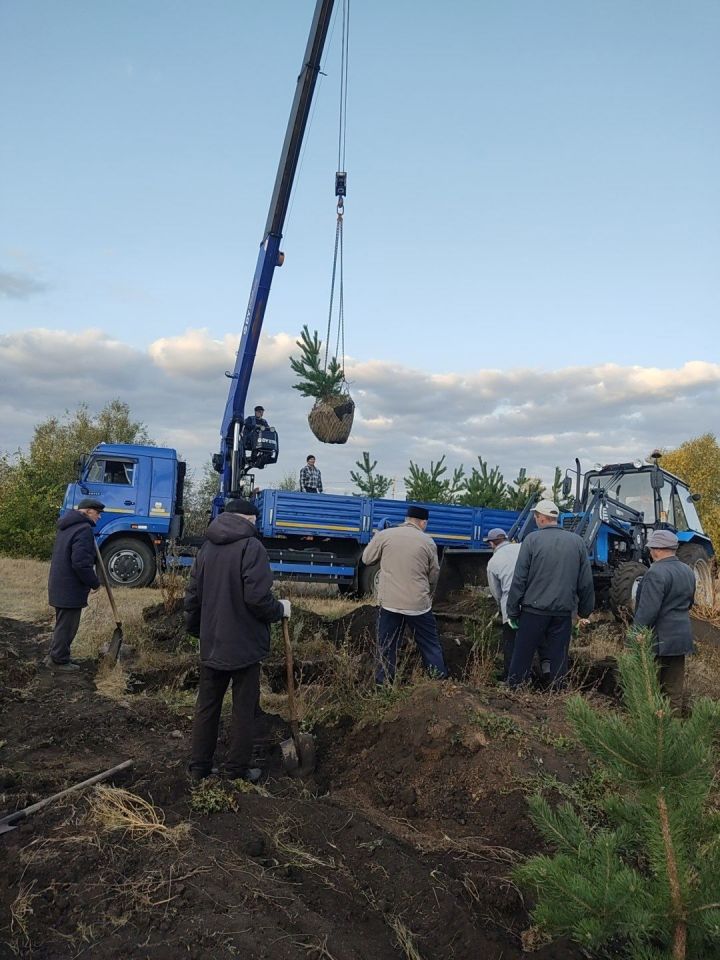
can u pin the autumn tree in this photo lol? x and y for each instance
(697, 462)
(32, 484)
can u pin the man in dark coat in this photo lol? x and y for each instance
(229, 604)
(256, 422)
(664, 598)
(552, 579)
(72, 577)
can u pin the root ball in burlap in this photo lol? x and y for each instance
(331, 418)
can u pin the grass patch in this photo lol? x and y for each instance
(498, 726)
(211, 796)
(23, 590)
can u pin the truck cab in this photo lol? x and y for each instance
(142, 489)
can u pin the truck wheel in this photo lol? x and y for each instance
(368, 580)
(129, 563)
(622, 593)
(695, 557)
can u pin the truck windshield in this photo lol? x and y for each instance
(634, 490)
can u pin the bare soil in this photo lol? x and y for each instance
(401, 845)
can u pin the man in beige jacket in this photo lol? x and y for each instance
(409, 572)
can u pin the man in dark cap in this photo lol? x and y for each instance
(664, 598)
(229, 604)
(72, 577)
(253, 423)
(409, 572)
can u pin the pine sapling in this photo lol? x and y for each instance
(314, 379)
(648, 878)
(369, 483)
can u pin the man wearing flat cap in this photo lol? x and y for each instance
(229, 604)
(409, 571)
(72, 577)
(664, 598)
(552, 580)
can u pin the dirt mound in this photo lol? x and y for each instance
(415, 816)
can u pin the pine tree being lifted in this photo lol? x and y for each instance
(648, 879)
(332, 416)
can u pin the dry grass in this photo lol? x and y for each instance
(111, 680)
(23, 590)
(20, 912)
(405, 938)
(319, 598)
(112, 808)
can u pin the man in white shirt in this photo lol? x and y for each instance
(500, 570)
(409, 572)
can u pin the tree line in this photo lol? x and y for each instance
(32, 483)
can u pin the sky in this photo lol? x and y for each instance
(532, 230)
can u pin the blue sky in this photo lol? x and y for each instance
(529, 183)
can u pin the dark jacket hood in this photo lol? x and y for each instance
(230, 527)
(71, 518)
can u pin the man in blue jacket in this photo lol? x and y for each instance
(229, 604)
(664, 598)
(552, 579)
(72, 577)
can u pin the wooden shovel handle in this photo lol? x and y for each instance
(292, 708)
(21, 814)
(106, 582)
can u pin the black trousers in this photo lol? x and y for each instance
(211, 693)
(508, 643)
(547, 635)
(67, 622)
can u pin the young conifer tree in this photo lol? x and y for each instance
(648, 879)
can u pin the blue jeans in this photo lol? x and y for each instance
(547, 635)
(390, 634)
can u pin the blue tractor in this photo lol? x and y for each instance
(615, 507)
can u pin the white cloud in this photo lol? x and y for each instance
(517, 417)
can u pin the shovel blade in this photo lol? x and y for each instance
(298, 758)
(7, 827)
(114, 646)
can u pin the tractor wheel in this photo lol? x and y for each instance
(622, 593)
(368, 580)
(695, 557)
(129, 562)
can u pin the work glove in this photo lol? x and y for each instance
(513, 623)
(286, 609)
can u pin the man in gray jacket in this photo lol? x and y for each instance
(409, 571)
(664, 598)
(552, 580)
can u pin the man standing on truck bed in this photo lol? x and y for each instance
(409, 571)
(664, 598)
(72, 577)
(552, 579)
(229, 604)
(310, 477)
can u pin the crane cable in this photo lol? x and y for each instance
(340, 192)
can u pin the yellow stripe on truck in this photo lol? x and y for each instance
(316, 526)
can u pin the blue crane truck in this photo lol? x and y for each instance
(318, 538)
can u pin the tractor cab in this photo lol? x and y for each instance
(615, 508)
(661, 498)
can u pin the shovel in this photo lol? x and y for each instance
(113, 650)
(11, 821)
(298, 753)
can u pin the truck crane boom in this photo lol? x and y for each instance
(232, 461)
